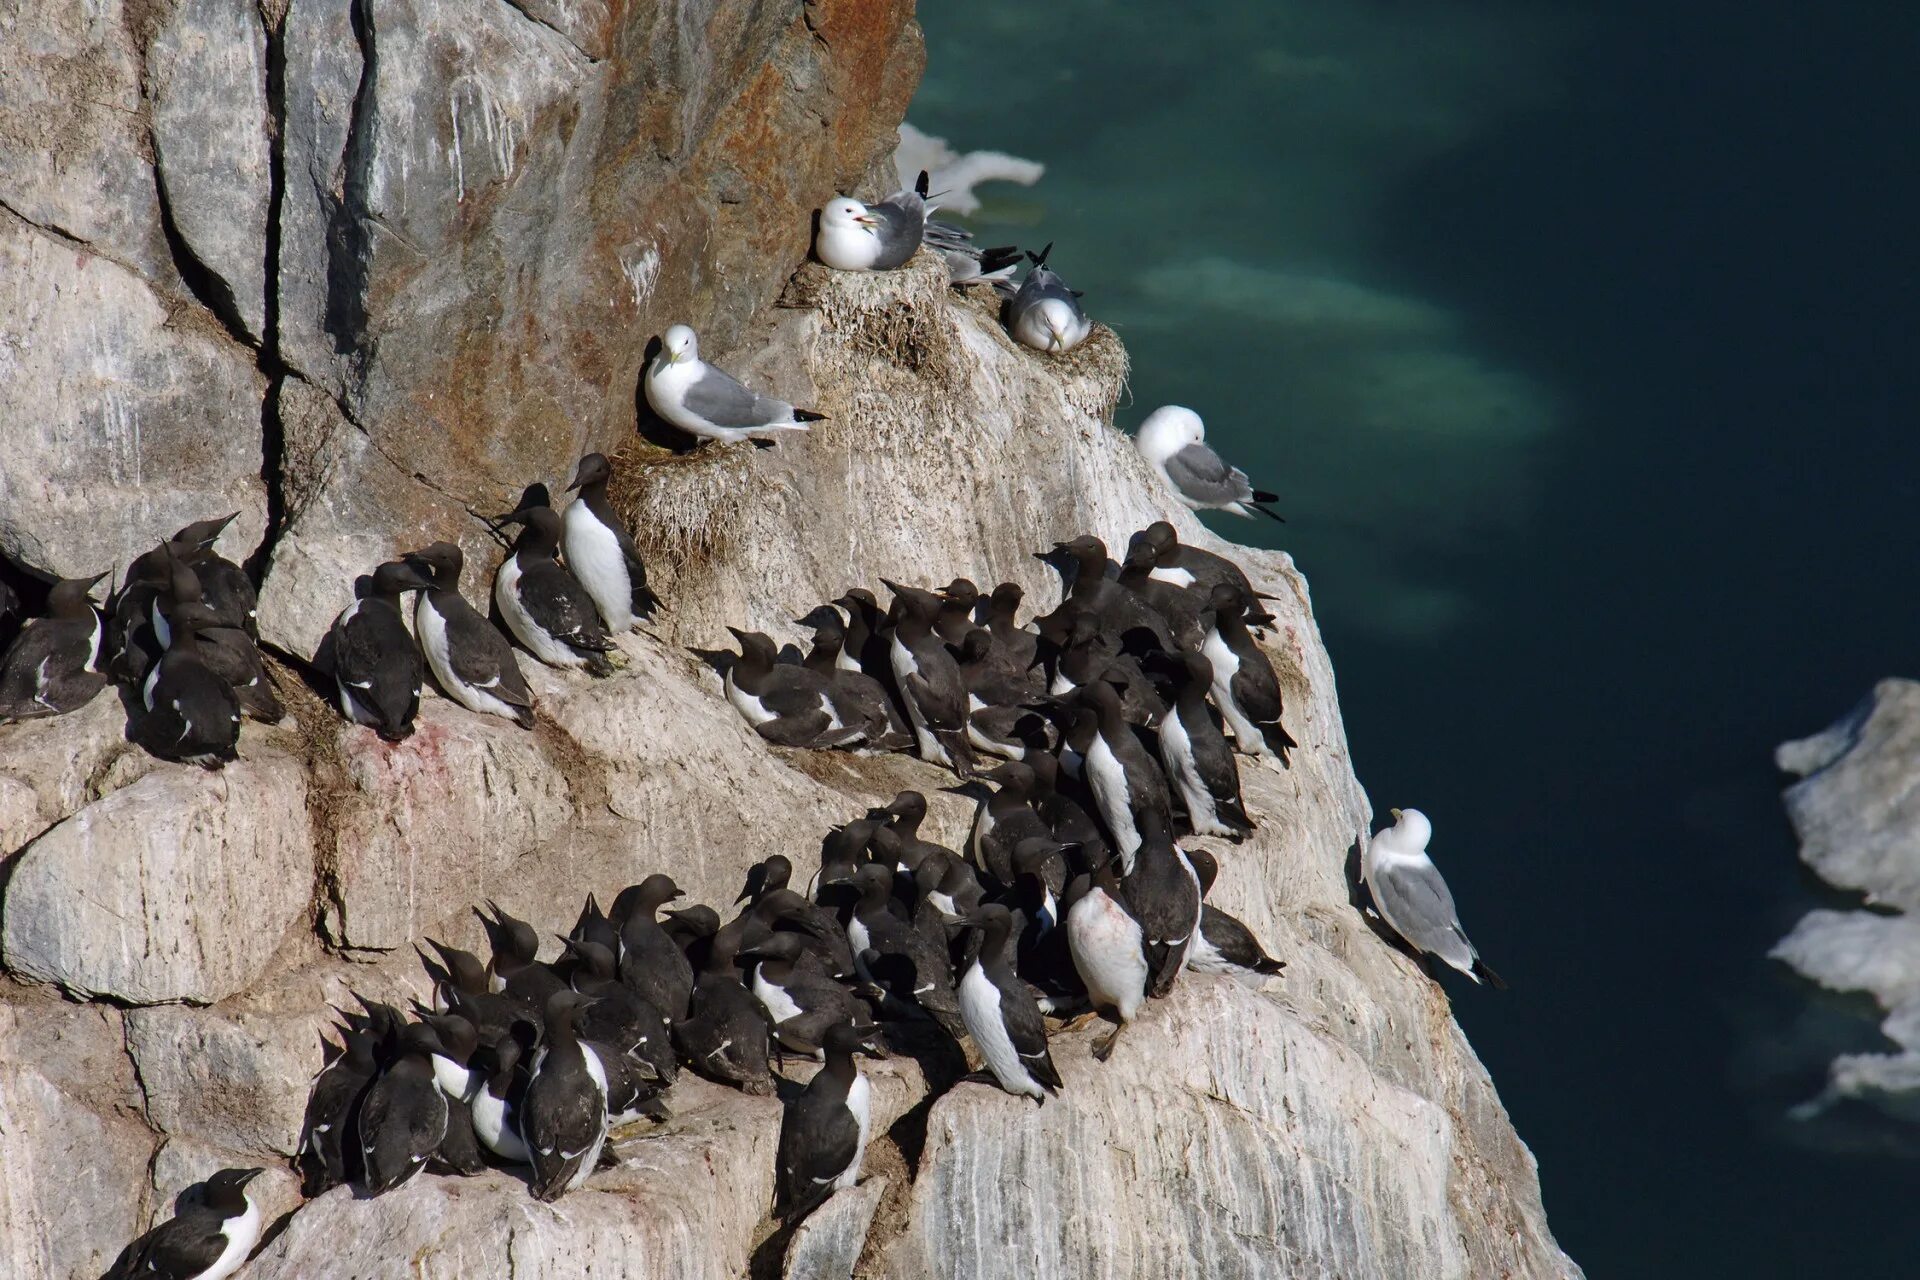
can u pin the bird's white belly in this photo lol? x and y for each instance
(903, 666)
(1247, 738)
(1178, 577)
(242, 1232)
(1176, 750)
(779, 1005)
(1108, 779)
(539, 642)
(595, 558)
(750, 708)
(490, 1124)
(980, 1010)
(860, 1103)
(847, 248)
(1202, 958)
(1106, 947)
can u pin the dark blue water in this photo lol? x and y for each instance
(1581, 341)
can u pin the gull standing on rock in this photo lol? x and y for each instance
(1045, 314)
(704, 401)
(1173, 440)
(1410, 895)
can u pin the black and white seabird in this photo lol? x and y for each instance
(955, 619)
(1199, 763)
(54, 664)
(564, 1117)
(620, 1017)
(1127, 783)
(600, 551)
(515, 969)
(858, 698)
(1245, 688)
(801, 1001)
(192, 714)
(928, 678)
(1409, 894)
(1119, 611)
(224, 585)
(1004, 819)
(377, 667)
(823, 1135)
(131, 647)
(1163, 891)
(1000, 718)
(228, 651)
(1173, 440)
(472, 662)
(650, 962)
(725, 1037)
(708, 402)
(329, 1147)
(1108, 948)
(903, 961)
(1224, 944)
(403, 1117)
(1045, 314)
(1000, 1012)
(209, 1239)
(544, 605)
(786, 703)
(1197, 570)
(868, 646)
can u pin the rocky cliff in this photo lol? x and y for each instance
(1856, 809)
(363, 270)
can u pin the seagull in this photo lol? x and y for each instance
(1173, 440)
(1045, 314)
(706, 402)
(885, 236)
(1410, 896)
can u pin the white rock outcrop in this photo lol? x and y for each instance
(1856, 810)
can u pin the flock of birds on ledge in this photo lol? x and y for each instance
(1114, 725)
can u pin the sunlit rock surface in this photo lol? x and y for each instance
(457, 309)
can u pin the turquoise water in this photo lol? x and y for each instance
(1577, 339)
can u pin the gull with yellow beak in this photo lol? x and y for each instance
(884, 237)
(707, 402)
(1045, 314)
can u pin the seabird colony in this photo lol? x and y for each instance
(1092, 738)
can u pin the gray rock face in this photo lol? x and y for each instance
(73, 1187)
(50, 768)
(1856, 810)
(207, 77)
(430, 820)
(827, 1245)
(128, 418)
(179, 887)
(489, 210)
(73, 132)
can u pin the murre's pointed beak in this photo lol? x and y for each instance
(738, 634)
